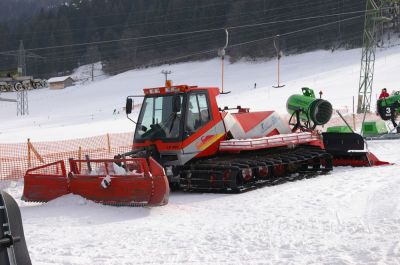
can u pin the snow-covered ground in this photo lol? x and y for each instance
(350, 216)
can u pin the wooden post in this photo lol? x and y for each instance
(29, 154)
(108, 143)
(222, 73)
(80, 158)
(354, 117)
(31, 150)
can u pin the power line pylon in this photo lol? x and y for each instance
(373, 19)
(21, 59)
(22, 103)
(21, 55)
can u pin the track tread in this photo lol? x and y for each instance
(224, 174)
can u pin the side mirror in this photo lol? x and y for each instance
(129, 106)
(177, 105)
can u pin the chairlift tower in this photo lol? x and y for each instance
(373, 19)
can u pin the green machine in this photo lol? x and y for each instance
(313, 111)
(339, 129)
(374, 128)
(388, 108)
(346, 147)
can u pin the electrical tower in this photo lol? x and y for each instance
(22, 103)
(21, 55)
(21, 59)
(374, 16)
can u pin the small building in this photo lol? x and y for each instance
(60, 82)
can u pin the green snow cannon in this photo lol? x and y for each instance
(388, 108)
(309, 108)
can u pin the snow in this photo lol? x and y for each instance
(350, 216)
(87, 109)
(58, 79)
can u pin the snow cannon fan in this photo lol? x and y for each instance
(308, 109)
(13, 248)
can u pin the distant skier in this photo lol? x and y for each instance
(255, 85)
(384, 94)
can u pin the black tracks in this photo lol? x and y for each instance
(244, 171)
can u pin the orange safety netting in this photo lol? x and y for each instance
(15, 159)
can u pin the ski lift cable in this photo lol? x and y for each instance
(166, 60)
(183, 33)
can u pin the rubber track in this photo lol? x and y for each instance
(224, 173)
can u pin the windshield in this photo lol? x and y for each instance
(157, 119)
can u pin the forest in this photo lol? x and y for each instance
(126, 34)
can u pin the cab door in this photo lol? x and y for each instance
(203, 127)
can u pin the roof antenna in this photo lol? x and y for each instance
(221, 53)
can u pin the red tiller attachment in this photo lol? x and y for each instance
(133, 182)
(348, 149)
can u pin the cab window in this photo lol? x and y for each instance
(198, 113)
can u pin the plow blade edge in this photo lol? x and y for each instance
(131, 182)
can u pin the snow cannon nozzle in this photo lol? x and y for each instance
(317, 110)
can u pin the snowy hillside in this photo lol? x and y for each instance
(86, 110)
(349, 216)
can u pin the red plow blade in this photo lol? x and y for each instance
(133, 182)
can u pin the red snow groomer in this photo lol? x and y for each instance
(182, 135)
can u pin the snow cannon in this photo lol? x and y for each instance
(389, 107)
(308, 108)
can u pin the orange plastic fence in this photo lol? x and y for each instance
(15, 159)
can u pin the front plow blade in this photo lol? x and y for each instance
(130, 182)
(348, 149)
(45, 183)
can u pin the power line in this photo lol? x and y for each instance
(173, 12)
(70, 58)
(294, 32)
(160, 22)
(184, 33)
(168, 60)
(206, 41)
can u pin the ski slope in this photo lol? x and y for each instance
(87, 110)
(350, 216)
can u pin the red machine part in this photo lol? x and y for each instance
(138, 183)
(45, 183)
(367, 160)
(269, 142)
